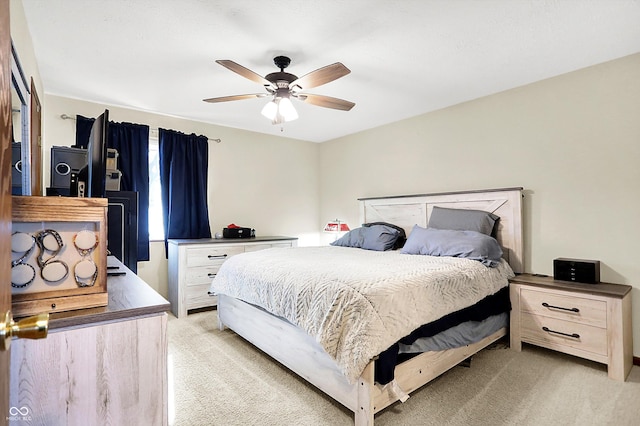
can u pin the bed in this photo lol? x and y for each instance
(268, 326)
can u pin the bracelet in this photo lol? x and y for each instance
(21, 242)
(47, 244)
(22, 274)
(85, 242)
(85, 273)
(54, 271)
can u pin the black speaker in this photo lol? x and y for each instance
(64, 161)
(577, 270)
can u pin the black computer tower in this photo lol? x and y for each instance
(122, 227)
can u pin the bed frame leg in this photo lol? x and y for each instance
(365, 410)
(221, 325)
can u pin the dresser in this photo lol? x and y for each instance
(193, 263)
(592, 321)
(97, 366)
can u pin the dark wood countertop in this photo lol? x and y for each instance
(129, 297)
(231, 240)
(606, 289)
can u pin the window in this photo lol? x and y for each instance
(156, 228)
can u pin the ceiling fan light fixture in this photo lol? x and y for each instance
(280, 110)
(286, 109)
(270, 110)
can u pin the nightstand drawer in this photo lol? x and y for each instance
(558, 334)
(197, 276)
(210, 256)
(564, 307)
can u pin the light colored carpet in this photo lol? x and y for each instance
(217, 378)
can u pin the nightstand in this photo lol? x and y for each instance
(592, 321)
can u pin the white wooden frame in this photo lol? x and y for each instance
(299, 352)
(407, 211)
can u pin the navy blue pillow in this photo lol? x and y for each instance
(446, 242)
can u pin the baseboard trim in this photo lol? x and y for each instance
(636, 360)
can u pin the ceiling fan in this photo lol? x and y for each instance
(282, 86)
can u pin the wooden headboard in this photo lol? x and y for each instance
(409, 210)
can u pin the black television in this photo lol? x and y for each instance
(92, 179)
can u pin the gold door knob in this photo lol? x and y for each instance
(35, 327)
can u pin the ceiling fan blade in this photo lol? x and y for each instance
(236, 97)
(245, 72)
(321, 76)
(326, 101)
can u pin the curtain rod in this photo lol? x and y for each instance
(68, 117)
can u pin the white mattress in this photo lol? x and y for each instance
(356, 303)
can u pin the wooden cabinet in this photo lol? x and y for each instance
(592, 321)
(97, 366)
(193, 263)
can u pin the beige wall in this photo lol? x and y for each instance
(573, 143)
(23, 44)
(265, 182)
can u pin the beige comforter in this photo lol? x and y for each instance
(356, 303)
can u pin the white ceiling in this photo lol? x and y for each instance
(407, 57)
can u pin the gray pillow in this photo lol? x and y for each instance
(445, 242)
(375, 237)
(402, 236)
(463, 220)
(353, 238)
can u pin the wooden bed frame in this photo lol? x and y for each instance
(299, 352)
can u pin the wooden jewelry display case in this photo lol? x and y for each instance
(58, 253)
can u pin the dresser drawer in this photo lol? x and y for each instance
(281, 245)
(198, 294)
(545, 331)
(564, 307)
(256, 247)
(211, 256)
(202, 275)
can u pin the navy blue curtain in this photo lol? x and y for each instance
(184, 162)
(83, 131)
(132, 143)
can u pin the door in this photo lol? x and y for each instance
(5, 195)
(35, 327)
(36, 142)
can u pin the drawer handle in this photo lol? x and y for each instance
(219, 256)
(546, 305)
(211, 275)
(574, 335)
